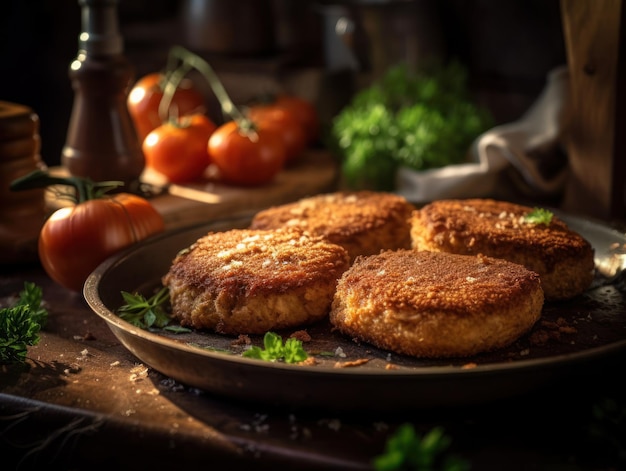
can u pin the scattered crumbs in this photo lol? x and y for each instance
(339, 353)
(539, 337)
(115, 363)
(468, 366)
(391, 366)
(300, 433)
(332, 424)
(552, 330)
(258, 424)
(310, 361)
(138, 372)
(73, 369)
(241, 340)
(129, 412)
(301, 335)
(84, 354)
(346, 364)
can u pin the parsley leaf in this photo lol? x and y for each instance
(539, 216)
(405, 450)
(274, 350)
(143, 312)
(21, 323)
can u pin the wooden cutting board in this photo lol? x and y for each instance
(194, 203)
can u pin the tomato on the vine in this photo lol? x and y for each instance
(178, 148)
(75, 239)
(145, 97)
(302, 111)
(246, 156)
(289, 129)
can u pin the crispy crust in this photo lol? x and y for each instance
(436, 304)
(250, 281)
(563, 259)
(364, 222)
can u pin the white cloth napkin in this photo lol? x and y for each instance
(531, 146)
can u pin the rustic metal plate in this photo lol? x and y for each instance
(578, 334)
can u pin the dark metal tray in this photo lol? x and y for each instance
(576, 335)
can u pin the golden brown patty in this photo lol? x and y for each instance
(563, 258)
(363, 222)
(250, 281)
(436, 304)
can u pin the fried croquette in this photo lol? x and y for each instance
(251, 281)
(436, 304)
(364, 222)
(563, 258)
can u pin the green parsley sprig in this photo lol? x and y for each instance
(143, 312)
(274, 350)
(21, 323)
(406, 450)
(539, 216)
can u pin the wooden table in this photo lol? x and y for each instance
(82, 401)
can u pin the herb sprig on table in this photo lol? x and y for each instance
(21, 323)
(406, 450)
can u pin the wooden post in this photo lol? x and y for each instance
(595, 136)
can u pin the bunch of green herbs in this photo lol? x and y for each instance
(420, 120)
(21, 323)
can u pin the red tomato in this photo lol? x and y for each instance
(251, 157)
(178, 149)
(76, 239)
(303, 111)
(145, 97)
(290, 130)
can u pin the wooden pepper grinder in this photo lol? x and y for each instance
(101, 141)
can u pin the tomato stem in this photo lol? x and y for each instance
(86, 189)
(189, 59)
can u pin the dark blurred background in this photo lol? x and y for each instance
(256, 45)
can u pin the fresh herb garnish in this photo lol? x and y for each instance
(274, 350)
(143, 312)
(405, 450)
(21, 323)
(539, 216)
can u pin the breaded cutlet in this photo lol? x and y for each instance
(563, 258)
(244, 281)
(364, 222)
(436, 304)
